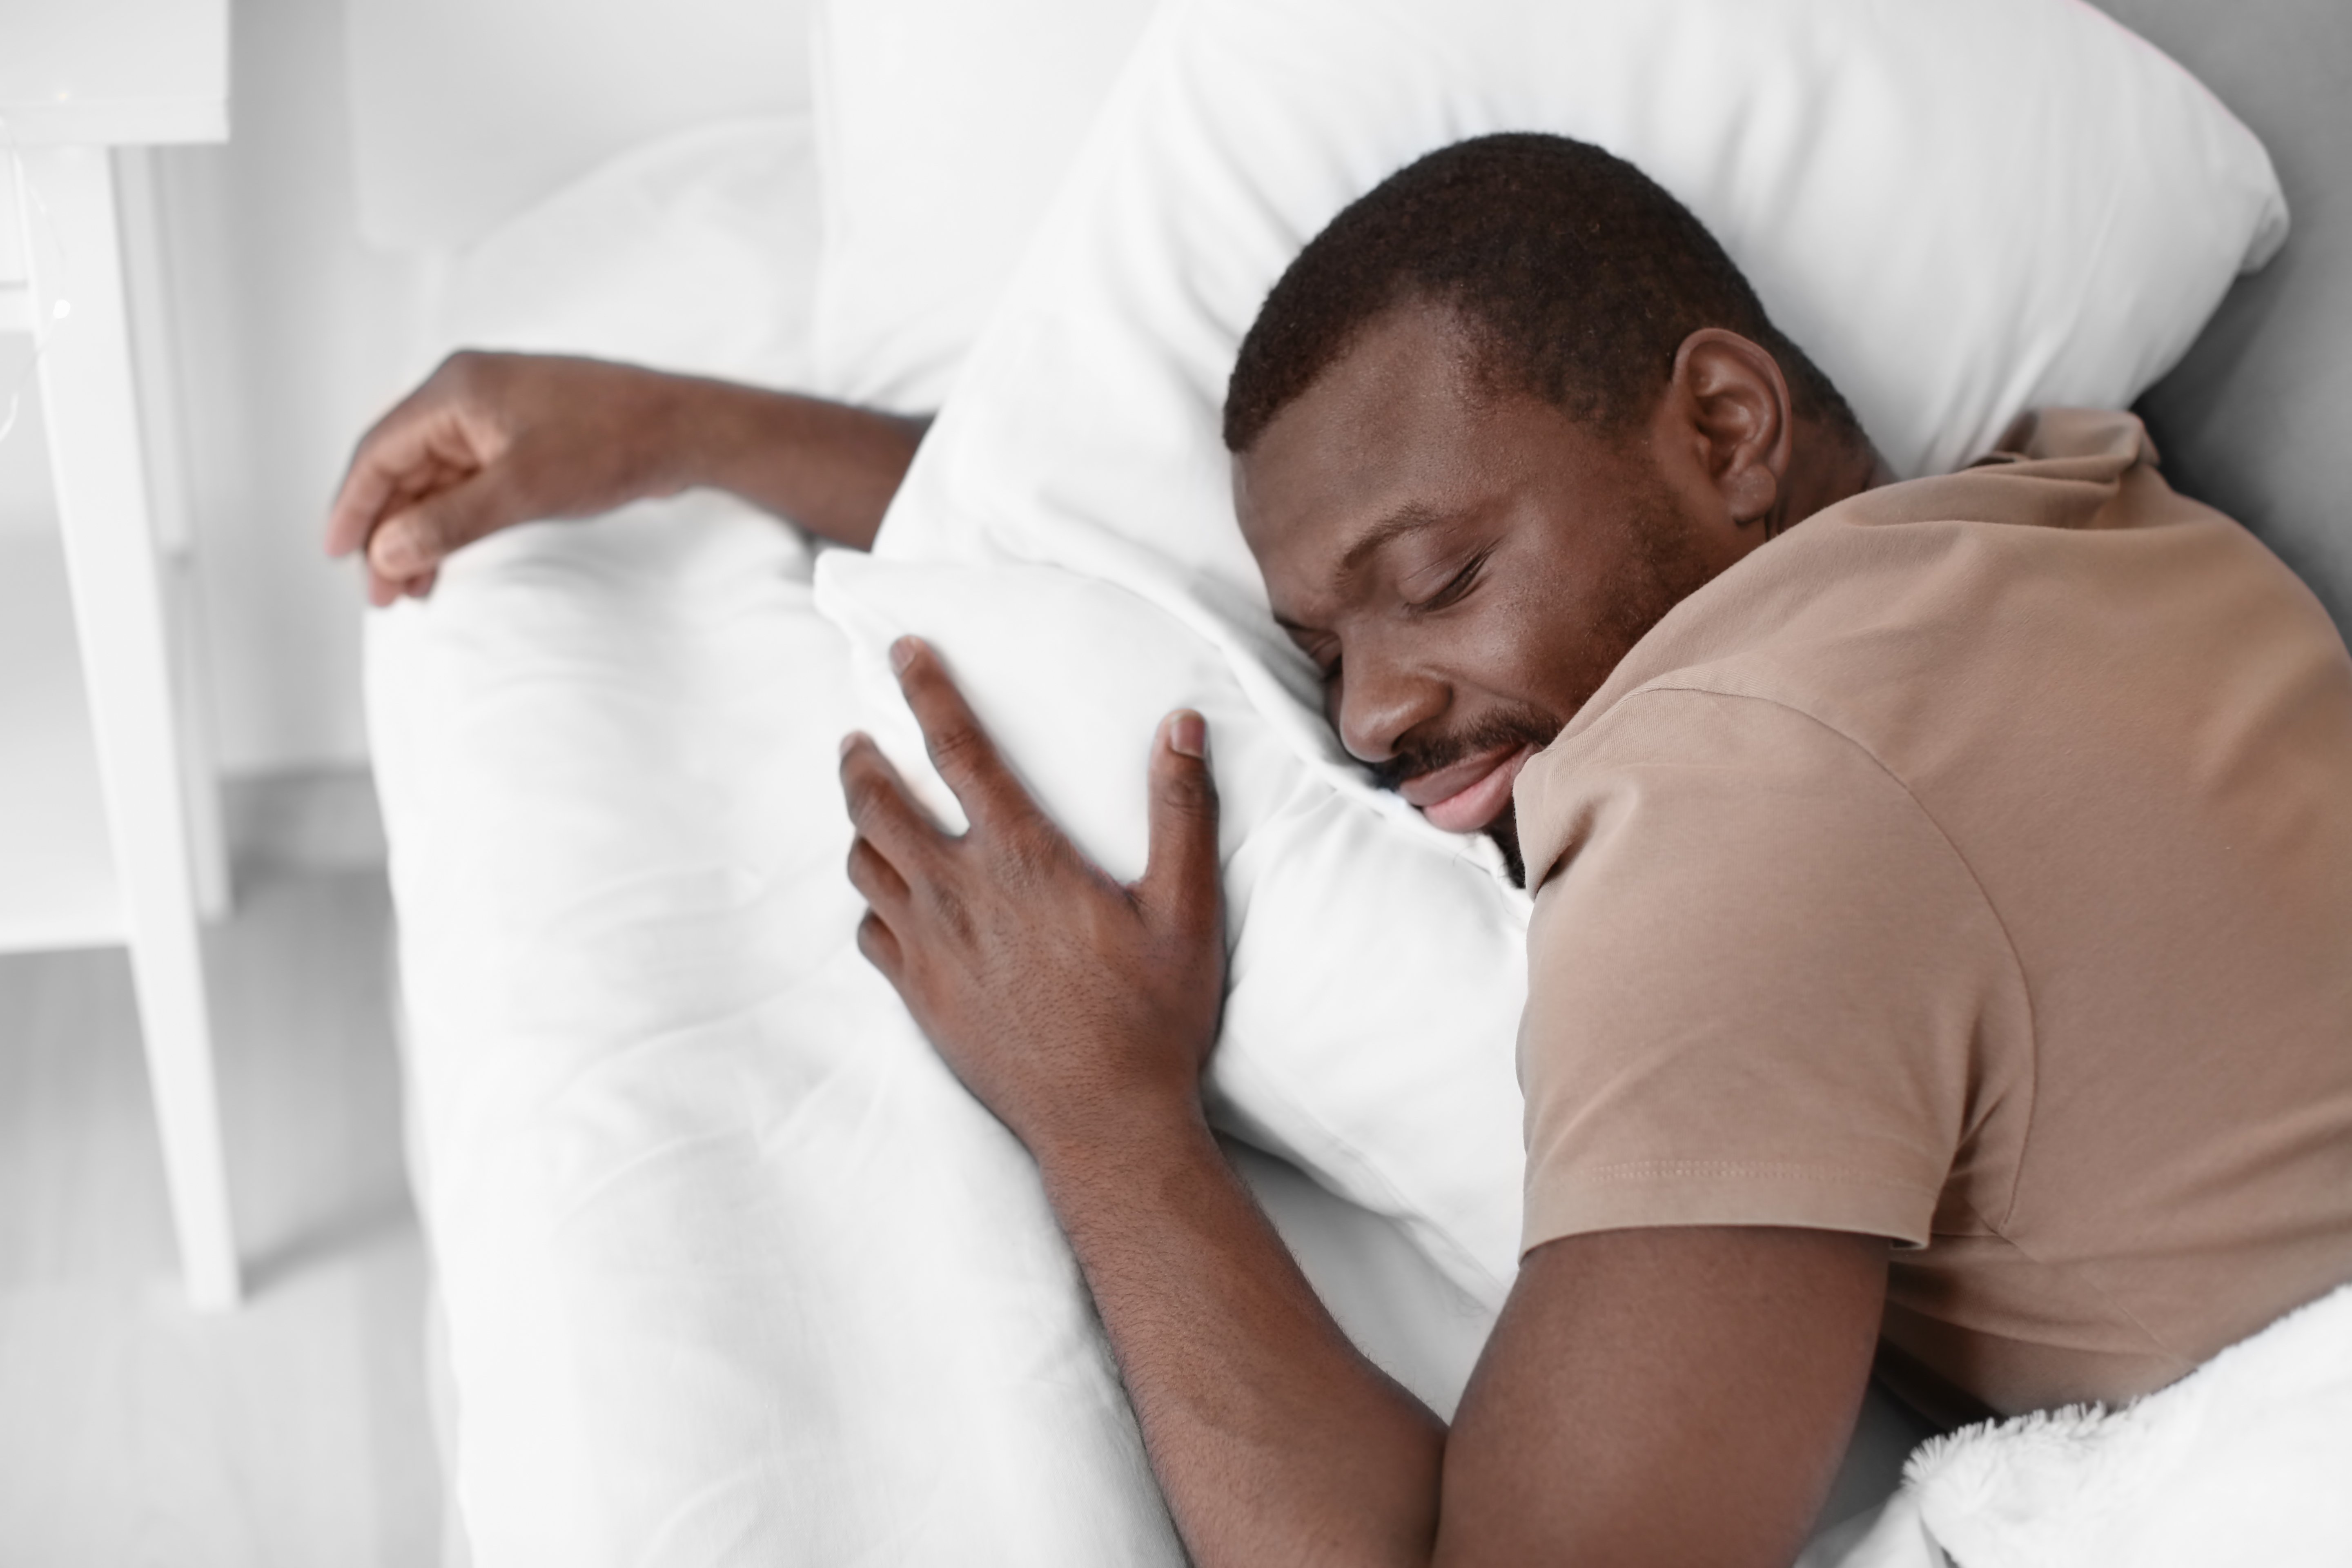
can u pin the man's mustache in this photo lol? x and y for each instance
(1502, 731)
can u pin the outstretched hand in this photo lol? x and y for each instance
(1071, 1005)
(489, 440)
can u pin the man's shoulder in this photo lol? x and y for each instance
(2058, 614)
(2069, 549)
(1678, 761)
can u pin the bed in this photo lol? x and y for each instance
(727, 1268)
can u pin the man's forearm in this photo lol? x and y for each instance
(490, 440)
(827, 467)
(1274, 1439)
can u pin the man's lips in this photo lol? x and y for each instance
(1465, 796)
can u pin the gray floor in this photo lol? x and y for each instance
(295, 1430)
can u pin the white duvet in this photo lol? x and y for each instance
(2248, 1459)
(734, 1270)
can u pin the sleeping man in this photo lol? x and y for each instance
(1943, 890)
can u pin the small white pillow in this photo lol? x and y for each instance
(943, 129)
(1378, 966)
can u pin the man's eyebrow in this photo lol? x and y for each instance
(1408, 519)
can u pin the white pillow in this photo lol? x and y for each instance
(944, 127)
(696, 252)
(1959, 211)
(1378, 966)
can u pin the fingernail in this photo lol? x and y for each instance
(902, 654)
(850, 740)
(394, 552)
(1188, 733)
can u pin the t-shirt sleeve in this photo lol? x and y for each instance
(1757, 976)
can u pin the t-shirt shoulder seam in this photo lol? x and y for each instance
(2008, 940)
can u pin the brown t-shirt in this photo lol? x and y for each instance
(1971, 867)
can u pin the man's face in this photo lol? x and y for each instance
(1465, 565)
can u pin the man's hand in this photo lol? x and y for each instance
(490, 440)
(1075, 1008)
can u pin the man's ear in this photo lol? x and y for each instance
(1730, 395)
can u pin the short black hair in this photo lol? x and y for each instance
(1579, 276)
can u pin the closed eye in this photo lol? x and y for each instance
(1457, 586)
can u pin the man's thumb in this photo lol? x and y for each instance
(416, 539)
(1180, 872)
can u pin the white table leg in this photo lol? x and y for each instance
(95, 455)
(145, 267)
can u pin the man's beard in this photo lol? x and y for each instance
(1664, 567)
(1507, 731)
(1519, 728)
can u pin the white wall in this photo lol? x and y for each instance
(2255, 419)
(291, 336)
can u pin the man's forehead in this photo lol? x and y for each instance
(1385, 421)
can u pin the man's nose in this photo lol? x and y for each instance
(1380, 702)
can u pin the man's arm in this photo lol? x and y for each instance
(1649, 1395)
(490, 440)
(1272, 1436)
(1662, 1395)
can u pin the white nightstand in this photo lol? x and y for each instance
(109, 827)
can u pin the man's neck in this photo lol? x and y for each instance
(1827, 464)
